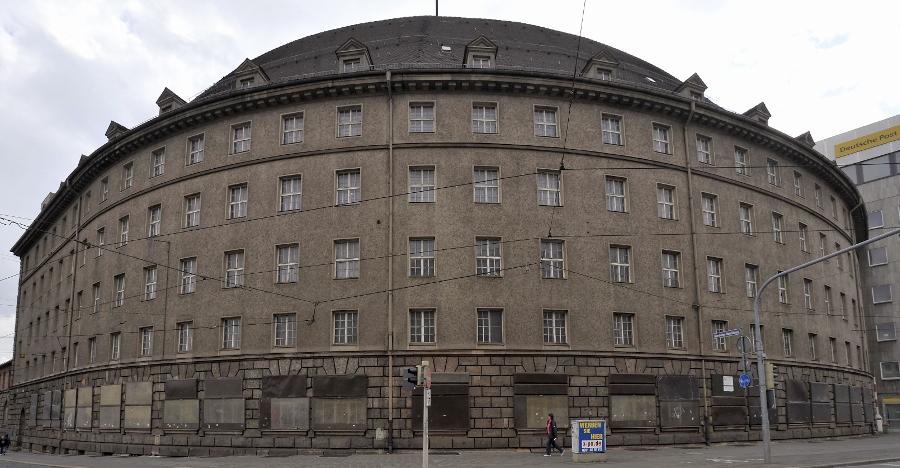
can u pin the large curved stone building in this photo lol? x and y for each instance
(555, 224)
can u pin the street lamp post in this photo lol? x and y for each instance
(758, 345)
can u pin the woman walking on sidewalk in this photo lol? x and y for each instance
(552, 433)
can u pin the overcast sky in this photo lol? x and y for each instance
(69, 67)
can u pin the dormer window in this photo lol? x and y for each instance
(480, 53)
(249, 75)
(351, 65)
(353, 56)
(246, 83)
(480, 61)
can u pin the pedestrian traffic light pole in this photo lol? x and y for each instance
(420, 376)
(760, 355)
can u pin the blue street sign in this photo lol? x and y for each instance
(744, 380)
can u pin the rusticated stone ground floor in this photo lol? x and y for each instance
(280, 405)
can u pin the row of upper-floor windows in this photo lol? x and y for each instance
(870, 170)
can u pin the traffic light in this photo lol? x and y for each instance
(414, 377)
(770, 375)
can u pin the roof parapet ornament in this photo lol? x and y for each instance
(693, 87)
(760, 113)
(115, 130)
(168, 101)
(806, 138)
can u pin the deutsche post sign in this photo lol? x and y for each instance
(867, 141)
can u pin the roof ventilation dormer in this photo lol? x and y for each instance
(249, 75)
(168, 101)
(759, 113)
(353, 56)
(600, 67)
(481, 53)
(693, 87)
(115, 130)
(806, 138)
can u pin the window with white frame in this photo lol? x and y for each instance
(422, 326)
(813, 356)
(844, 306)
(787, 342)
(234, 269)
(158, 162)
(890, 370)
(123, 230)
(762, 337)
(823, 249)
(196, 146)
(772, 172)
(661, 138)
(488, 258)
(291, 193)
(611, 129)
(100, 241)
(480, 61)
(185, 336)
(240, 138)
(552, 259)
(719, 326)
(839, 258)
(346, 258)
(876, 219)
(704, 149)
(350, 65)
(620, 263)
(237, 201)
(154, 218)
(783, 293)
(489, 328)
(832, 346)
(92, 350)
(803, 233)
(115, 340)
(292, 128)
(188, 270)
(150, 282)
(349, 121)
(346, 327)
(348, 187)
(421, 117)
(146, 341)
(710, 207)
(192, 210)
(484, 117)
(287, 263)
(119, 288)
(95, 290)
(807, 294)
(882, 293)
(817, 192)
(623, 329)
(877, 256)
(421, 257)
(834, 210)
(422, 184)
(798, 184)
(671, 269)
(745, 213)
(285, 329)
(487, 185)
(741, 161)
(545, 122)
(714, 274)
(549, 188)
(665, 201)
(231, 333)
(246, 83)
(127, 176)
(616, 200)
(778, 227)
(603, 74)
(104, 189)
(555, 327)
(674, 332)
(885, 331)
(826, 298)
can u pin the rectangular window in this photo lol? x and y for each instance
(661, 142)
(231, 333)
(783, 293)
(421, 117)
(611, 128)
(665, 201)
(834, 211)
(484, 117)
(348, 187)
(745, 212)
(876, 219)
(123, 230)
(234, 269)
(709, 205)
(192, 210)
(674, 332)
(481, 61)
(490, 326)
(549, 188)
(772, 172)
(158, 162)
(741, 161)
(832, 346)
(823, 250)
(616, 200)
(844, 306)
(877, 256)
(620, 263)
(487, 185)
(292, 128)
(787, 341)
(185, 336)
(552, 259)
(287, 263)
(104, 189)
(817, 191)
(798, 184)
(146, 341)
(421, 257)
(285, 329)
(350, 65)
(346, 327)
(421, 326)
(882, 293)
(555, 327)
(671, 269)
(803, 233)
(114, 342)
(240, 138)
(719, 326)
(100, 242)
(704, 149)
(349, 121)
(150, 274)
(119, 295)
(778, 227)
(807, 294)
(714, 274)
(154, 219)
(127, 176)
(890, 370)
(196, 145)
(92, 350)
(826, 297)
(545, 122)
(488, 259)
(421, 184)
(812, 347)
(885, 331)
(346, 258)
(291, 193)
(188, 275)
(840, 261)
(237, 201)
(95, 290)
(623, 329)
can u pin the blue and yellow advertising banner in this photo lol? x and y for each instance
(589, 435)
(865, 142)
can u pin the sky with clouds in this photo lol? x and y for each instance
(68, 68)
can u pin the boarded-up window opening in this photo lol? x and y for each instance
(284, 405)
(111, 407)
(449, 411)
(223, 404)
(339, 403)
(181, 409)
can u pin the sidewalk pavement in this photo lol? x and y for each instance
(844, 451)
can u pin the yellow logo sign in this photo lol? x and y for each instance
(868, 141)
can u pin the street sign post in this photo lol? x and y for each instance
(744, 380)
(727, 333)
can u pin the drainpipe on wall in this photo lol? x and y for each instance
(390, 262)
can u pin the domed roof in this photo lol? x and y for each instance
(440, 42)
